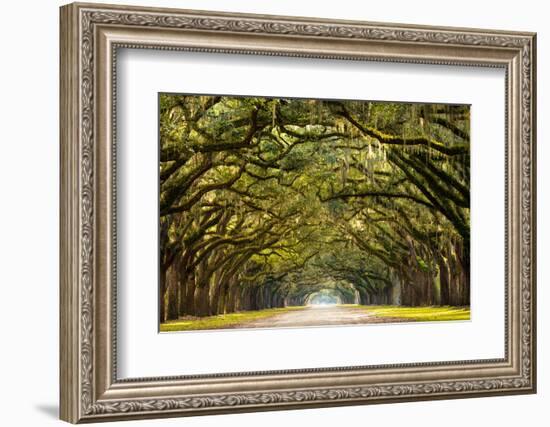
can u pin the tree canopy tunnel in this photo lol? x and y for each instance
(263, 202)
(313, 286)
(323, 297)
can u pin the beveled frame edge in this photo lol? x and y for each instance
(89, 391)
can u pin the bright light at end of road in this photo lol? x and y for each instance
(322, 305)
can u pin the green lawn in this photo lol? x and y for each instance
(413, 314)
(421, 314)
(222, 320)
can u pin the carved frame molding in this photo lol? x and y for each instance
(90, 37)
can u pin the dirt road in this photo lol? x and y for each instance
(322, 315)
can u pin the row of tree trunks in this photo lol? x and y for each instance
(203, 293)
(207, 298)
(447, 284)
(383, 296)
(454, 278)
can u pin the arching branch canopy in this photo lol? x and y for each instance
(267, 202)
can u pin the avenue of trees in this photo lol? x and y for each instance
(274, 202)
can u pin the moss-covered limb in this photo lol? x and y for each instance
(200, 105)
(452, 127)
(229, 263)
(456, 149)
(190, 202)
(173, 145)
(241, 244)
(308, 136)
(449, 180)
(167, 170)
(387, 258)
(403, 225)
(440, 204)
(442, 188)
(182, 244)
(385, 194)
(360, 279)
(174, 189)
(213, 144)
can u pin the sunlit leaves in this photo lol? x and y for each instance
(311, 191)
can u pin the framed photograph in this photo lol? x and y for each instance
(266, 212)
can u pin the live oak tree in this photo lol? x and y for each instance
(269, 202)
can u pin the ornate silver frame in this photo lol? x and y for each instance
(90, 36)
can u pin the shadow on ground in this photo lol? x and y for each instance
(50, 410)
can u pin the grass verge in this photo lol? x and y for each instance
(222, 321)
(421, 314)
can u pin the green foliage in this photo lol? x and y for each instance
(294, 196)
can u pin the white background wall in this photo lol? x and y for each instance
(29, 170)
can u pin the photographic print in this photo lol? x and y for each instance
(280, 212)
